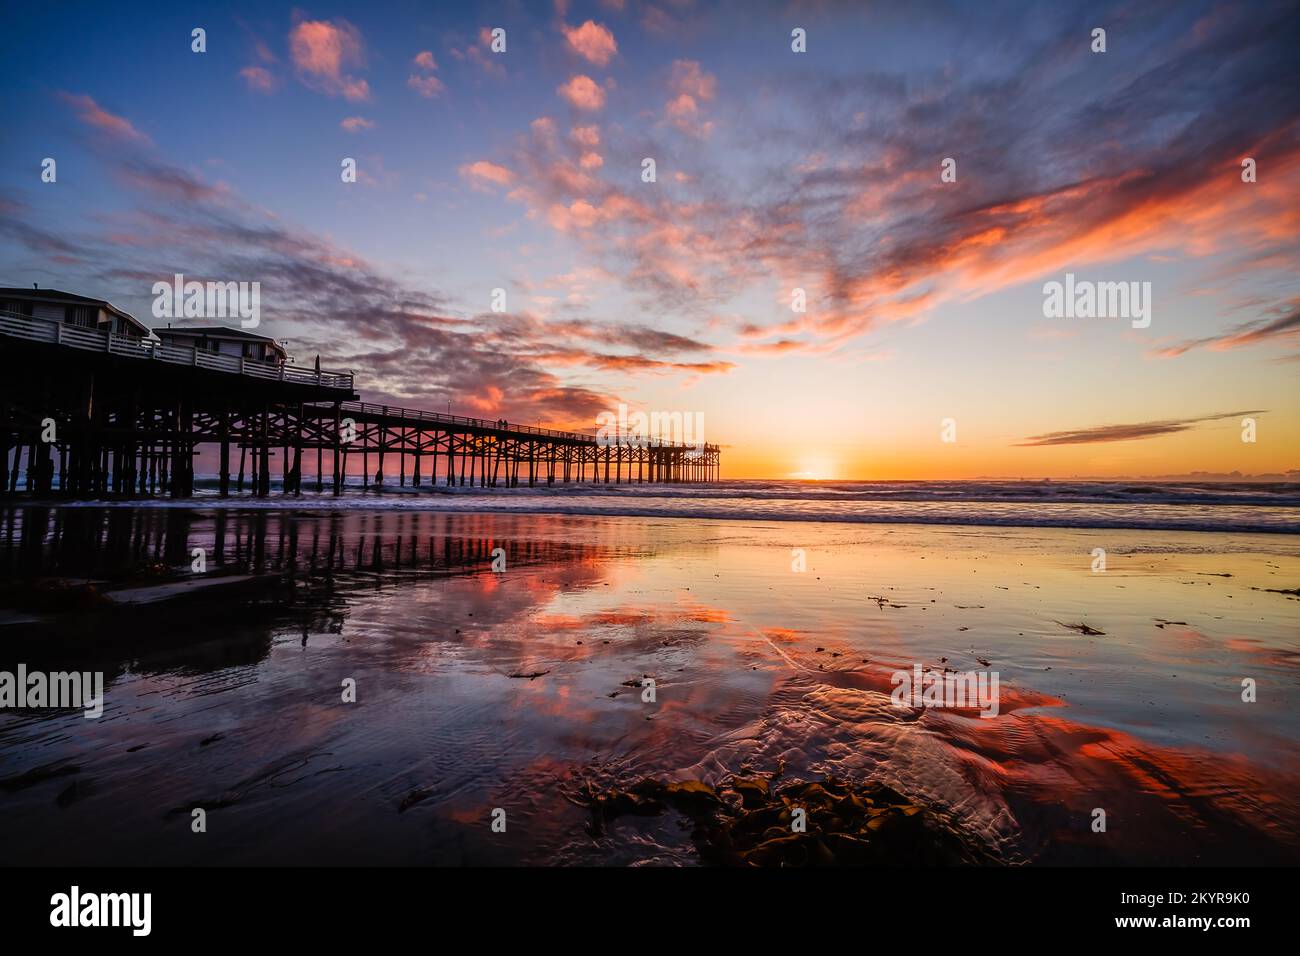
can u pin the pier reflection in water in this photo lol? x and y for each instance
(478, 690)
(79, 559)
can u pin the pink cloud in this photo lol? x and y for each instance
(689, 85)
(689, 78)
(543, 129)
(588, 139)
(258, 79)
(592, 41)
(586, 136)
(426, 86)
(684, 113)
(92, 114)
(355, 124)
(479, 54)
(654, 20)
(322, 50)
(583, 93)
(483, 173)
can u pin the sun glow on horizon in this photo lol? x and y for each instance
(815, 469)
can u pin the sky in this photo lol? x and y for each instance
(776, 172)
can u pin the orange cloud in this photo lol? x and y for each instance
(592, 41)
(583, 93)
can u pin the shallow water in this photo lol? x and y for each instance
(234, 704)
(1188, 506)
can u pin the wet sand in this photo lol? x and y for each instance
(521, 690)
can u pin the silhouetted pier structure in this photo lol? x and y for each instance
(94, 413)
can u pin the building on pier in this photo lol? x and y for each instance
(76, 311)
(221, 340)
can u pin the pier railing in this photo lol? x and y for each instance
(55, 332)
(461, 421)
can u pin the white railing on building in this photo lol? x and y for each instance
(129, 346)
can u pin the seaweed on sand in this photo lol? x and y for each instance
(1082, 628)
(746, 821)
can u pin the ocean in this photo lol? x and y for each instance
(1210, 506)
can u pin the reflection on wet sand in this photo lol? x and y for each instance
(523, 689)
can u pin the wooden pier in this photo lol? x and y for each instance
(92, 413)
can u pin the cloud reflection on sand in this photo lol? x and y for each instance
(235, 705)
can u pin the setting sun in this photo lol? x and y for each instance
(815, 469)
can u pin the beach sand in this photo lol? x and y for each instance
(522, 690)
